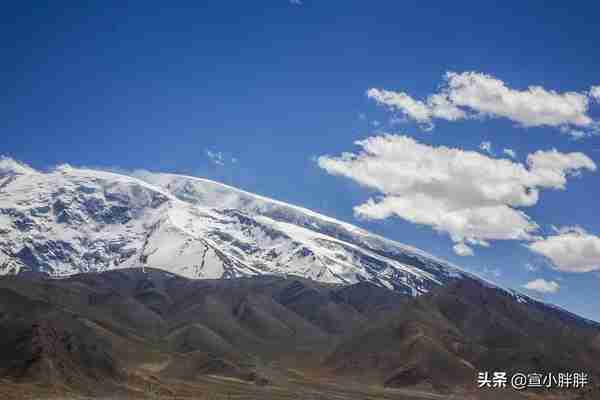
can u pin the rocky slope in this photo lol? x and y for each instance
(121, 333)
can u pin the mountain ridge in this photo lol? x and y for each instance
(70, 220)
(104, 200)
(275, 337)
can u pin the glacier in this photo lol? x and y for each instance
(70, 220)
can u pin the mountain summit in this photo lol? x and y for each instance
(71, 220)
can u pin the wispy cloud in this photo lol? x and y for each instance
(531, 267)
(462, 249)
(595, 92)
(486, 147)
(510, 152)
(219, 158)
(542, 286)
(493, 272)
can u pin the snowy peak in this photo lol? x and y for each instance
(11, 167)
(215, 194)
(72, 220)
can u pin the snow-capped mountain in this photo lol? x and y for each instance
(71, 220)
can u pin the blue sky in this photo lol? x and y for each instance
(276, 85)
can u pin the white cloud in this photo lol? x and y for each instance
(595, 92)
(571, 249)
(473, 94)
(542, 286)
(216, 157)
(510, 152)
(568, 229)
(412, 108)
(220, 158)
(397, 120)
(437, 106)
(577, 134)
(462, 249)
(486, 147)
(531, 267)
(551, 168)
(471, 196)
(535, 106)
